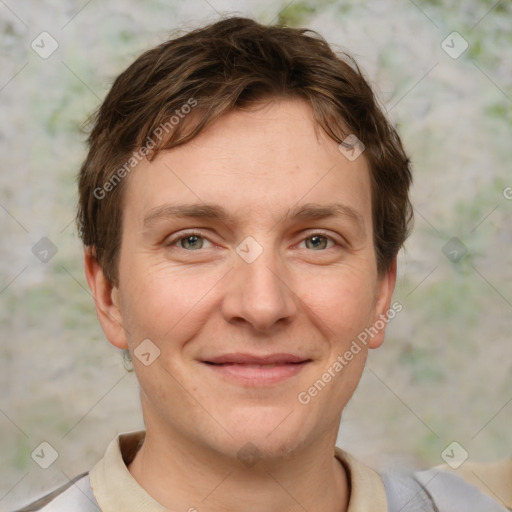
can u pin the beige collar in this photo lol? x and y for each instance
(115, 489)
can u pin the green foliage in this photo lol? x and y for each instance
(428, 444)
(423, 364)
(298, 14)
(21, 457)
(295, 14)
(475, 49)
(448, 301)
(500, 111)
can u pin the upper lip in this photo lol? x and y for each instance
(241, 358)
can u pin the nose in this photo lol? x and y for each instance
(257, 293)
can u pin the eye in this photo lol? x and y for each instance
(318, 241)
(190, 241)
(194, 241)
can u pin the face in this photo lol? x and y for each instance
(247, 260)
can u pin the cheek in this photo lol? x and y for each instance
(343, 304)
(165, 303)
(341, 301)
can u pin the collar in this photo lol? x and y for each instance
(115, 488)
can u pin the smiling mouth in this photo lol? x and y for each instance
(254, 359)
(249, 365)
(250, 370)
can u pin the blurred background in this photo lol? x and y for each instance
(443, 72)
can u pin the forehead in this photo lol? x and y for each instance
(267, 159)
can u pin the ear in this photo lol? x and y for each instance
(106, 298)
(383, 313)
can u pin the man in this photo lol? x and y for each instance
(241, 207)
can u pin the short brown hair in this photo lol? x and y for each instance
(224, 66)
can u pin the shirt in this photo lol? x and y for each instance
(109, 487)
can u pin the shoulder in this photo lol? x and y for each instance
(479, 487)
(472, 487)
(493, 479)
(76, 496)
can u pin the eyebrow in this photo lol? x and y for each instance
(312, 211)
(309, 211)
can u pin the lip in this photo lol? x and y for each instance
(257, 370)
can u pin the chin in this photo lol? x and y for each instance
(271, 432)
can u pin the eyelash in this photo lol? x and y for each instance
(186, 234)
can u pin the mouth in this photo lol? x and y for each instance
(253, 370)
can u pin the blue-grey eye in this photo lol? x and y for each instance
(317, 242)
(192, 242)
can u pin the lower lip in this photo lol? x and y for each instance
(252, 376)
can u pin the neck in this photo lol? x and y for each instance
(182, 476)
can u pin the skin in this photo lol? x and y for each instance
(198, 300)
